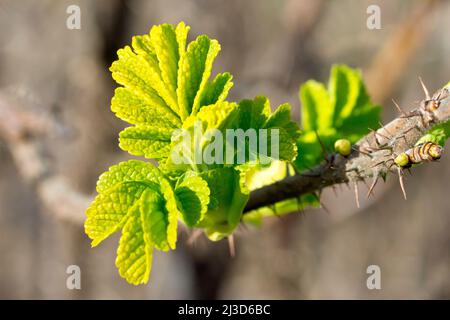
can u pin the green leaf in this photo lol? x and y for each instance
(108, 212)
(317, 112)
(192, 193)
(438, 134)
(287, 148)
(151, 71)
(145, 140)
(166, 87)
(128, 171)
(226, 205)
(221, 115)
(165, 44)
(120, 188)
(344, 111)
(136, 109)
(253, 113)
(281, 118)
(134, 255)
(181, 31)
(153, 212)
(171, 208)
(187, 147)
(195, 69)
(255, 177)
(345, 88)
(135, 196)
(141, 75)
(217, 90)
(163, 84)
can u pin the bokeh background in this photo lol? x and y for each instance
(57, 135)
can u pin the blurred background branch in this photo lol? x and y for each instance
(23, 131)
(395, 55)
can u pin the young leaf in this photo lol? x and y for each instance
(128, 171)
(142, 76)
(146, 140)
(281, 118)
(221, 115)
(166, 47)
(189, 143)
(195, 69)
(171, 208)
(108, 212)
(343, 111)
(166, 88)
(256, 114)
(134, 255)
(253, 114)
(217, 90)
(317, 112)
(136, 109)
(181, 31)
(192, 193)
(438, 134)
(345, 90)
(135, 196)
(227, 202)
(153, 212)
(163, 84)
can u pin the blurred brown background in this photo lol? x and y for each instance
(59, 78)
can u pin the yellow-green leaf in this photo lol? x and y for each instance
(134, 255)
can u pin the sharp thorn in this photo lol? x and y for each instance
(383, 136)
(427, 94)
(377, 164)
(400, 110)
(372, 186)
(351, 170)
(385, 129)
(365, 153)
(355, 185)
(231, 245)
(400, 179)
(375, 132)
(375, 137)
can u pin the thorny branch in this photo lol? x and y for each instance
(371, 157)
